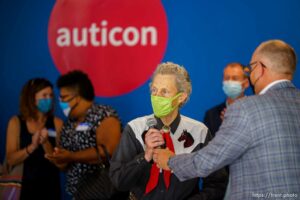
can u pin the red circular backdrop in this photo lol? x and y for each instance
(117, 43)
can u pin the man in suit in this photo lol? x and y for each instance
(235, 82)
(260, 135)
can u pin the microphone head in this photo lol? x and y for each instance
(151, 122)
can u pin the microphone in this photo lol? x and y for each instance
(151, 122)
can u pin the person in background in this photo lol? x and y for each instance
(259, 137)
(132, 167)
(30, 135)
(235, 82)
(88, 126)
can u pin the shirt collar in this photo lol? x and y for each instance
(174, 125)
(272, 84)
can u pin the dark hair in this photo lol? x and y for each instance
(78, 81)
(27, 105)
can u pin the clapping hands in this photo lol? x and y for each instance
(39, 137)
(43, 136)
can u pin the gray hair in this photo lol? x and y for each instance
(183, 81)
(281, 55)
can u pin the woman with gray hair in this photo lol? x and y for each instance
(132, 167)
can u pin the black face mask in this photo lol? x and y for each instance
(251, 85)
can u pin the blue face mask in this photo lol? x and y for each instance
(65, 108)
(232, 89)
(44, 105)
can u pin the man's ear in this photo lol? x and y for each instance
(245, 84)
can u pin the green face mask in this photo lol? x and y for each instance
(162, 106)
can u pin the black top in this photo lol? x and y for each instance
(41, 178)
(212, 118)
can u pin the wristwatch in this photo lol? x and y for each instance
(168, 163)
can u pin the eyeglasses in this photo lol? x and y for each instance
(250, 67)
(62, 97)
(163, 92)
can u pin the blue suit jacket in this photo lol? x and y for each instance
(260, 140)
(212, 118)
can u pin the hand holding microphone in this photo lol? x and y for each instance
(153, 139)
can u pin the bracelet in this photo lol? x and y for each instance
(26, 148)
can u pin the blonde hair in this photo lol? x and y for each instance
(183, 81)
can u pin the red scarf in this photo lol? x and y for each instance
(154, 174)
